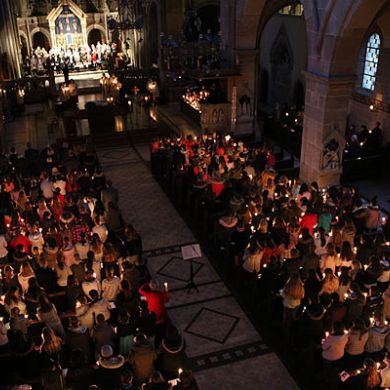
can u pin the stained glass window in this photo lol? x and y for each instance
(292, 10)
(371, 62)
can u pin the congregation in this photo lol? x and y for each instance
(78, 307)
(315, 260)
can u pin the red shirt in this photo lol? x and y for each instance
(156, 302)
(217, 187)
(21, 240)
(309, 221)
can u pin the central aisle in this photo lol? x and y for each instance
(223, 347)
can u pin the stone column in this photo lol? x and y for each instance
(326, 110)
(382, 89)
(9, 37)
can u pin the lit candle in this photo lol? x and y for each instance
(326, 334)
(166, 286)
(180, 370)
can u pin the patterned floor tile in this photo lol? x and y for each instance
(259, 373)
(243, 333)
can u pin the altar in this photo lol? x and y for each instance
(68, 25)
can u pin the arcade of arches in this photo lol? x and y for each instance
(238, 110)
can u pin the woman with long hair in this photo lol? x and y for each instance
(357, 339)
(47, 313)
(97, 247)
(346, 256)
(330, 259)
(305, 241)
(355, 301)
(252, 257)
(348, 231)
(344, 283)
(366, 378)
(51, 344)
(334, 344)
(292, 294)
(32, 296)
(13, 299)
(63, 271)
(320, 241)
(330, 284)
(26, 273)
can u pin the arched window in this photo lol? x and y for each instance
(371, 62)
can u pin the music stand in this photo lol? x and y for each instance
(191, 252)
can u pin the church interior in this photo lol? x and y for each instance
(194, 194)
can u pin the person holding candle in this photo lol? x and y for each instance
(47, 313)
(334, 345)
(156, 301)
(142, 357)
(377, 334)
(330, 283)
(292, 294)
(357, 339)
(171, 353)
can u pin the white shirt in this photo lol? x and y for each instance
(82, 249)
(3, 247)
(36, 241)
(252, 262)
(23, 281)
(89, 285)
(101, 231)
(61, 184)
(101, 307)
(85, 315)
(47, 188)
(62, 275)
(111, 288)
(385, 375)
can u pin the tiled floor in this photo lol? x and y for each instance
(223, 347)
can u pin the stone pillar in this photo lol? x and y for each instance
(382, 89)
(326, 110)
(9, 38)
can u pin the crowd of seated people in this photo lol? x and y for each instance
(78, 308)
(313, 261)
